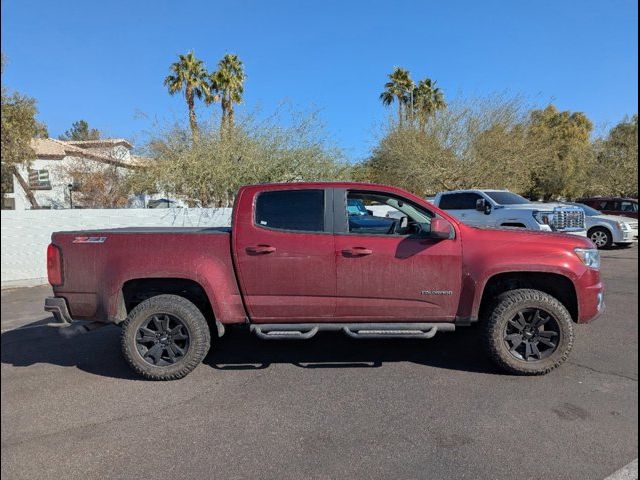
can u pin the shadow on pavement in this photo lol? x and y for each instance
(460, 350)
(98, 351)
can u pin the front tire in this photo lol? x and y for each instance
(528, 333)
(165, 337)
(601, 237)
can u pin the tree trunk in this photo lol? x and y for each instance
(230, 115)
(224, 103)
(25, 186)
(193, 124)
(399, 111)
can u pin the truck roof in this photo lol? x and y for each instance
(474, 190)
(319, 185)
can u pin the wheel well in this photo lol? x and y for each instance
(516, 225)
(138, 290)
(554, 284)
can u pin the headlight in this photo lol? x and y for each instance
(543, 218)
(589, 256)
(623, 226)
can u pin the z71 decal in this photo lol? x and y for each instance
(89, 239)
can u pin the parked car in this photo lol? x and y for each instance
(624, 207)
(502, 208)
(291, 265)
(362, 220)
(605, 230)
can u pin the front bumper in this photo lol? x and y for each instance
(629, 236)
(591, 303)
(58, 307)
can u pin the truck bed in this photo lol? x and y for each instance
(97, 264)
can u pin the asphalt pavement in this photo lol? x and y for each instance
(328, 408)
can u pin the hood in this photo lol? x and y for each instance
(509, 236)
(614, 218)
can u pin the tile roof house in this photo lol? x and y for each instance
(45, 174)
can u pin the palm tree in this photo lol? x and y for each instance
(427, 100)
(397, 89)
(228, 81)
(189, 75)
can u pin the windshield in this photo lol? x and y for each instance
(589, 212)
(507, 198)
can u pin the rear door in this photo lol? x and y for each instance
(284, 254)
(393, 275)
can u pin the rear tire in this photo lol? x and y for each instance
(528, 333)
(165, 337)
(601, 237)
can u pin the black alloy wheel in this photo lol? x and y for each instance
(532, 335)
(162, 339)
(527, 332)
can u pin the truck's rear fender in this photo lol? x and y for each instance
(216, 281)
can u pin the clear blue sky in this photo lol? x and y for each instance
(105, 61)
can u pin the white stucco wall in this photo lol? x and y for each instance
(26, 233)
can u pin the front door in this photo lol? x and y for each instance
(285, 255)
(463, 206)
(385, 272)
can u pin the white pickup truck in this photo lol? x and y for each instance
(502, 208)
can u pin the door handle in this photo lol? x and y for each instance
(357, 251)
(261, 249)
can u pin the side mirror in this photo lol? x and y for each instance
(483, 206)
(439, 228)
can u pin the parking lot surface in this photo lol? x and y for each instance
(331, 407)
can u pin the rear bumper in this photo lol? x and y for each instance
(58, 307)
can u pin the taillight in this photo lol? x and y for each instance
(54, 265)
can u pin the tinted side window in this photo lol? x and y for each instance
(301, 210)
(627, 207)
(459, 201)
(611, 205)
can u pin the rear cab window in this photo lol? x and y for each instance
(291, 210)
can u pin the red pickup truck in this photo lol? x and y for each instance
(307, 257)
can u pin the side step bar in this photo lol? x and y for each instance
(303, 331)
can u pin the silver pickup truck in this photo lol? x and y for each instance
(502, 208)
